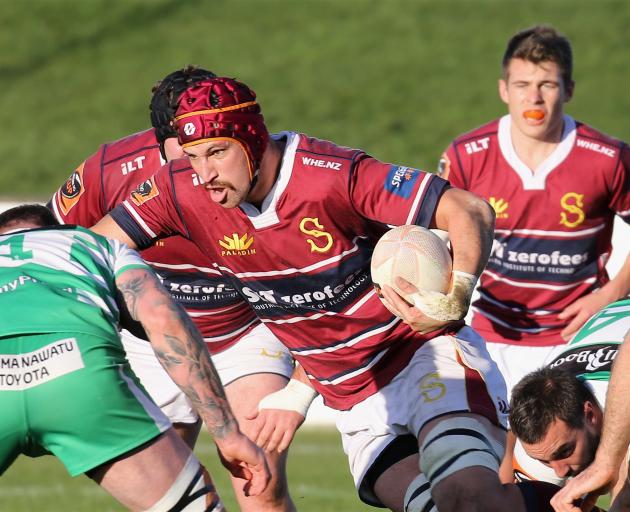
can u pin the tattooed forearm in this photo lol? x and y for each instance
(179, 348)
(201, 382)
(131, 290)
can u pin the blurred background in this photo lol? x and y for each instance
(397, 78)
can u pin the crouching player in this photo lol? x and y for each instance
(557, 411)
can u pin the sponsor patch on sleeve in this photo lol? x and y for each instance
(71, 191)
(145, 191)
(401, 180)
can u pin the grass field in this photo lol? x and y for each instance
(399, 78)
(319, 479)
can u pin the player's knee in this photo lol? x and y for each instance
(418, 496)
(457, 444)
(192, 491)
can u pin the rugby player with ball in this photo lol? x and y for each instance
(311, 212)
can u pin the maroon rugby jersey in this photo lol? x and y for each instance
(108, 177)
(304, 261)
(553, 227)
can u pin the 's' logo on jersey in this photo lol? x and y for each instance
(325, 240)
(572, 203)
(237, 245)
(145, 191)
(71, 190)
(500, 207)
(431, 387)
(400, 180)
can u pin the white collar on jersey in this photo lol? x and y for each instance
(535, 180)
(267, 215)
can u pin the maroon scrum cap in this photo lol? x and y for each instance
(222, 109)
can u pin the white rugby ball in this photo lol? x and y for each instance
(414, 253)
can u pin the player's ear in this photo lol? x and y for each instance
(592, 413)
(503, 93)
(568, 91)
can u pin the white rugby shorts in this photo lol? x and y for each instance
(448, 374)
(259, 351)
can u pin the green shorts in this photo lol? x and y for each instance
(74, 396)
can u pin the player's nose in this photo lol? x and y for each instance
(534, 94)
(205, 169)
(562, 469)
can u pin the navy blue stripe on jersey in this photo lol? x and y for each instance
(195, 289)
(130, 227)
(334, 289)
(171, 174)
(566, 260)
(430, 201)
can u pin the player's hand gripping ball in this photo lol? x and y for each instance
(415, 254)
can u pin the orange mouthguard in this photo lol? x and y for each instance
(534, 114)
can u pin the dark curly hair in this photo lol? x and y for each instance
(166, 94)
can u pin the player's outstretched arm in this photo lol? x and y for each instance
(182, 351)
(278, 415)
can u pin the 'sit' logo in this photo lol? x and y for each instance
(237, 245)
(573, 216)
(317, 233)
(500, 207)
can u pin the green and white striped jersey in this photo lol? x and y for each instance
(61, 279)
(592, 350)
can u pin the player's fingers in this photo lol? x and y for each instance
(572, 327)
(274, 440)
(265, 435)
(254, 428)
(286, 440)
(258, 480)
(405, 285)
(392, 301)
(562, 501)
(569, 311)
